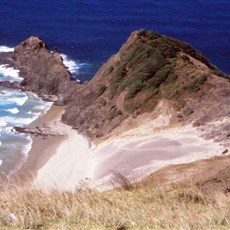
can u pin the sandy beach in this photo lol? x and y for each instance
(69, 160)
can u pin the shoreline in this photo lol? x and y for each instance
(61, 161)
(39, 153)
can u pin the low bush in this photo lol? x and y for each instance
(101, 90)
(133, 89)
(114, 112)
(118, 77)
(109, 70)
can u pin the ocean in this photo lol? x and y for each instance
(87, 33)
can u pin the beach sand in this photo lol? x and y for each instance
(136, 159)
(42, 147)
(68, 160)
(71, 164)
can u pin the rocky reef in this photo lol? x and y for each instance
(148, 69)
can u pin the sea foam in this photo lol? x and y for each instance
(3, 123)
(13, 110)
(13, 97)
(4, 49)
(74, 67)
(9, 74)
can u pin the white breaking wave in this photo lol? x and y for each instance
(44, 108)
(19, 101)
(74, 67)
(9, 74)
(13, 111)
(22, 121)
(70, 64)
(7, 130)
(13, 96)
(19, 121)
(39, 108)
(28, 146)
(3, 123)
(6, 49)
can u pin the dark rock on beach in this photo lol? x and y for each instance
(11, 85)
(37, 131)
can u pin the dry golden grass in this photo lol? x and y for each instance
(24, 207)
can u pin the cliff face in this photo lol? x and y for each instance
(148, 69)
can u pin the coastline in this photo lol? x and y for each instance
(62, 161)
(42, 148)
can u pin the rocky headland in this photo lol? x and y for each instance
(149, 71)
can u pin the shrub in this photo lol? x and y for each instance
(123, 85)
(114, 112)
(136, 55)
(192, 86)
(101, 90)
(160, 76)
(118, 76)
(202, 79)
(147, 64)
(109, 70)
(171, 77)
(133, 89)
(149, 34)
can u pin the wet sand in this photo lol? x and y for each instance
(42, 147)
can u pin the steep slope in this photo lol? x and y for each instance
(209, 175)
(148, 69)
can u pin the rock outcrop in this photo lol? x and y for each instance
(43, 71)
(148, 69)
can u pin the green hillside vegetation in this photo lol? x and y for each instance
(150, 63)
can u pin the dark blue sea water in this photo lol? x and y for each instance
(92, 30)
(88, 32)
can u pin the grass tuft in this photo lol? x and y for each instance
(26, 207)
